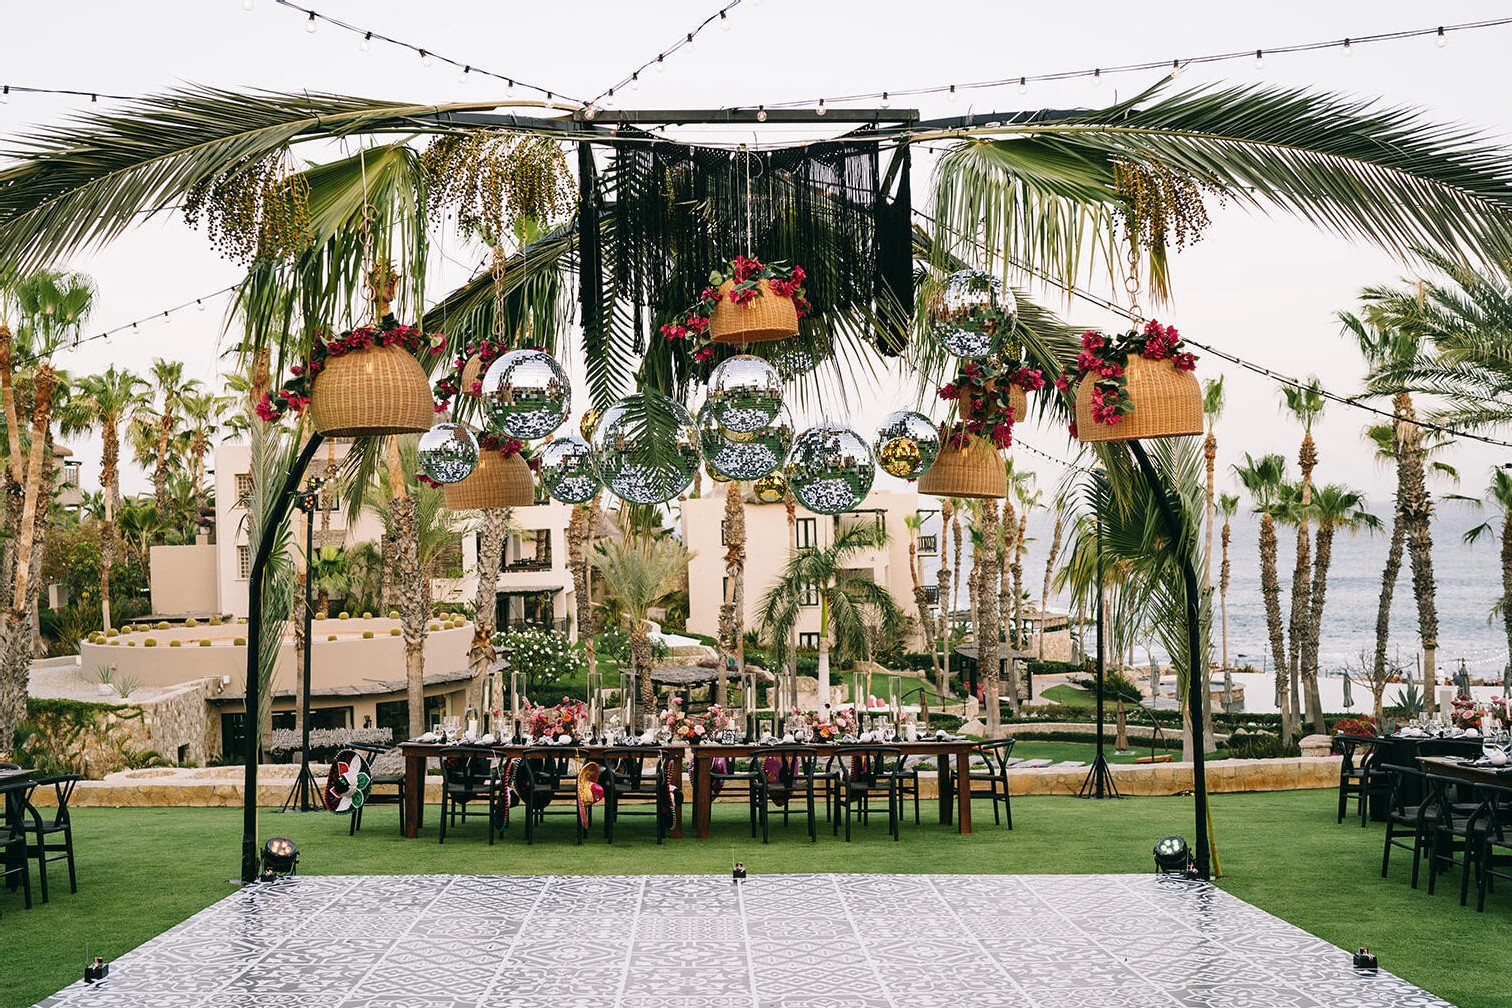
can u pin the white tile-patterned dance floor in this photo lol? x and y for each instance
(773, 941)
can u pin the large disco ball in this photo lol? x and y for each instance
(906, 444)
(588, 422)
(745, 394)
(632, 466)
(770, 489)
(829, 469)
(448, 453)
(744, 456)
(569, 471)
(526, 394)
(966, 318)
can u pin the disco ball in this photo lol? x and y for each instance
(448, 453)
(906, 444)
(965, 320)
(714, 474)
(770, 489)
(829, 469)
(568, 470)
(526, 394)
(744, 456)
(588, 422)
(631, 466)
(745, 394)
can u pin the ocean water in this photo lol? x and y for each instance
(1468, 581)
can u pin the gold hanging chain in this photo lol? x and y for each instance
(1131, 284)
(497, 268)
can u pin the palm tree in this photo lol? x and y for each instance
(640, 571)
(1390, 342)
(847, 603)
(203, 413)
(1263, 478)
(921, 597)
(1212, 408)
(327, 571)
(105, 400)
(731, 629)
(1306, 404)
(171, 392)
(1028, 499)
(947, 602)
(1500, 493)
(1228, 505)
(493, 533)
(1050, 559)
(1336, 507)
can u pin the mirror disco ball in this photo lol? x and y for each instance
(744, 456)
(965, 293)
(526, 394)
(770, 489)
(631, 466)
(448, 453)
(568, 470)
(906, 444)
(588, 422)
(745, 393)
(829, 469)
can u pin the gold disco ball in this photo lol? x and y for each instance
(900, 457)
(770, 489)
(589, 423)
(714, 474)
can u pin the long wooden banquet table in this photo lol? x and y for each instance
(955, 785)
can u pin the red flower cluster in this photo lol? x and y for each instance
(504, 445)
(1104, 361)
(295, 393)
(487, 351)
(746, 275)
(983, 390)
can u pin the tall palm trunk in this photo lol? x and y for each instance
(1223, 587)
(1307, 458)
(1389, 578)
(790, 503)
(1021, 547)
(410, 587)
(988, 654)
(730, 610)
(1270, 590)
(1416, 508)
(480, 656)
(1210, 459)
(110, 478)
(947, 607)
(1322, 558)
(824, 657)
(1506, 600)
(1003, 574)
(640, 659)
(1055, 542)
(160, 469)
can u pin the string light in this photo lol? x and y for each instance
(820, 110)
(1097, 78)
(724, 21)
(688, 43)
(1440, 41)
(366, 37)
(1259, 59)
(5, 95)
(164, 315)
(951, 96)
(685, 43)
(661, 62)
(761, 115)
(885, 100)
(247, 5)
(462, 77)
(1173, 67)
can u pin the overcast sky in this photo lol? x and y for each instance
(1265, 288)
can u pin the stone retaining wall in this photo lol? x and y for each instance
(222, 786)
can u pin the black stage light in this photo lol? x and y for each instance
(279, 856)
(1365, 959)
(739, 873)
(100, 969)
(1172, 855)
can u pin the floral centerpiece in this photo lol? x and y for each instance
(1500, 708)
(1465, 712)
(989, 395)
(684, 727)
(1105, 362)
(565, 723)
(840, 724)
(294, 394)
(739, 282)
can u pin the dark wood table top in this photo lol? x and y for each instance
(1465, 770)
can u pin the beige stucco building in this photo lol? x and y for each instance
(767, 551)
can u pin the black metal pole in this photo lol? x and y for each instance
(1099, 782)
(253, 741)
(1197, 690)
(303, 795)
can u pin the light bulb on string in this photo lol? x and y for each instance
(1175, 68)
(821, 109)
(463, 76)
(1023, 85)
(1346, 47)
(310, 24)
(688, 44)
(661, 62)
(200, 304)
(509, 88)
(761, 115)
(589, 111)
(885, 100)
(94, 99)
(609, 98)
(950, 95)
(1441, 40)
(366, 44)
(166, 318)
(425, 59)
(246, 5)
(1097, 77)
(635, 81)
(1259, 59)
(724, 21)
(5, 95)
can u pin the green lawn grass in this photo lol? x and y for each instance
(144, 870)
(1072, 696)
(1085, 752)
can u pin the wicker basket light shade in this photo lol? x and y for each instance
(764, 318)
(472, 373)
(1167, 403)
(498, 482)
(372, 392)
(974, 471)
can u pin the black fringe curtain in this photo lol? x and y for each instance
(680, 211)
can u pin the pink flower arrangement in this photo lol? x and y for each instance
(1104, 361)
(747, 274)
(982, 392)
(569, 718)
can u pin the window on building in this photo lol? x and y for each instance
(932, 594)
(71, 473)
(808, 532)
(808, 642)
(243, 562)
(810, 596)
(532, 550)
(929, 544)
(243, 489)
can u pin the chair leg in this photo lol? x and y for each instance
(73, 882)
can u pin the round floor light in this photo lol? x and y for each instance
(1172, 855)
(279, 857)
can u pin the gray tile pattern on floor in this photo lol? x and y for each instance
(774, 941)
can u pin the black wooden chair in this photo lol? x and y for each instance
(1459, 831)
(1360, 763)
(468, 777)
(543, 776)
(866, 772)
(15, 864)
(782, 775)
(992, 781)
(50, 838)
(1412, 819)
(634, 779)
(386, 774)
(1493, 860)
(732, 777)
